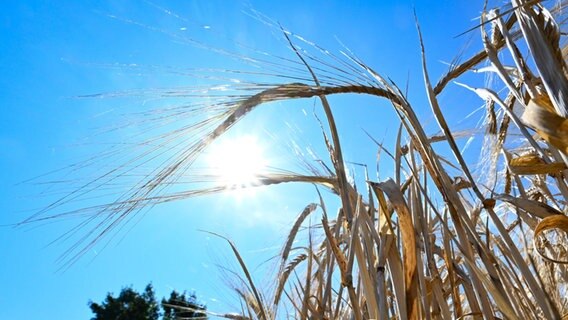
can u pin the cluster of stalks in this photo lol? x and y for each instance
(436, 241)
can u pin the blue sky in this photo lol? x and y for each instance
(54, 52)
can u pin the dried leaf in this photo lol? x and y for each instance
(559, 222)
(551, 127)
(533, 164)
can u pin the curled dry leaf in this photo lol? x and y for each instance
(550, 126)
(559, 222)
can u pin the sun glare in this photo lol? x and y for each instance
(237, 162)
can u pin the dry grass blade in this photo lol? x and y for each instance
(409, 246)
(360, 244)
(442, 121)
(533, 208)
(343, 263)
(259, 302)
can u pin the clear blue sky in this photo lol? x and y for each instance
(53, 51)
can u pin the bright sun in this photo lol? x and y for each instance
(237, 162)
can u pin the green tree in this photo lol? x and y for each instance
(182, 306)
(131, 305)
(128, 305)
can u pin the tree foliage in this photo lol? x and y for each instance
(128, 305)
(182, 306)
(144, 306)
